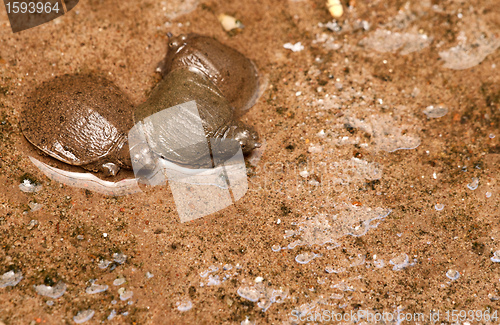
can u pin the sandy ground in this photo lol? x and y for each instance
(333, 116)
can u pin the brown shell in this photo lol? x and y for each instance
(234, 74)
(80, 119)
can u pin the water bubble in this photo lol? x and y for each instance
(112, 314)
(35, 206)
(184, 305)
(305, 258)
(435, 112)
(400, 262)
(119, 258)
(50, 302)
(28, 186)
(83, 316)
(149, 275)
(213, 280)
(96, 288)
(330, 270)
(125, 294)
(496, 257)
(52, 292)
(249, 293)
(102, 264)
(360, 260)
(379, 263)
(247, 321)
(276, 248)
(347, 220)
(474, 184)
(211, 269)
(265, 296)
(383, 40)
(10, 279)
(439, 206)
(32, 224)
(492, 136)
(119, 281)
(466, 55)
(453, 274)
(488, 194)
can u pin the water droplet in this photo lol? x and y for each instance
(28, 186)
(453, 274)
(184, 305)
(400, 262)
(96, 288)
(126, 295)
(83, 316)
(119, 281)
(496, 257)
(474, 184)
(276, 248)
(305, 258)
(119, 258)
(112, 314)
(10, 279)
(52, 292)
(435, 112)
(439, 206)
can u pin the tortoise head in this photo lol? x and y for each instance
(120, 158)
(175, 43)
(247, 137)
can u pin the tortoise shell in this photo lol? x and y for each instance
(80, 119)
(234, 74)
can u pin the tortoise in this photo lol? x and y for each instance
(234, 74)
(82, 120)
(187, 118)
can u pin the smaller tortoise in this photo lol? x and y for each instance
(82, 120)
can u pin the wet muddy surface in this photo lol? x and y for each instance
(377, 188)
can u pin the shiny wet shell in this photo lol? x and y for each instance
(80, 119)
(234, 74)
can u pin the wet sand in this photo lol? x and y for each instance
(354, 175)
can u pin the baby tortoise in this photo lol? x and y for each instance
(82, 120)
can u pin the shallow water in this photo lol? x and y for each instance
(391, 199)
